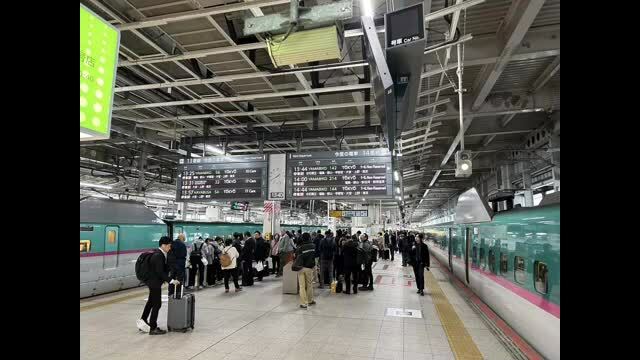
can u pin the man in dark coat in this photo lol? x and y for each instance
(351, 267)
(419, 259)
(177, 258)
(157, 275)
(248, 255)
(261, 252)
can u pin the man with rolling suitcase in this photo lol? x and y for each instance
(152, 268)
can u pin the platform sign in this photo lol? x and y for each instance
(355, 174)
(99, 44)
(222, 178)
(355, 213)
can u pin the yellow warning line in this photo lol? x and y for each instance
(461, 342)
(112, 301)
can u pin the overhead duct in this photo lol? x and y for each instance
(471, 208)
(305, 47)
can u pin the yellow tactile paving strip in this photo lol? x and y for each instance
(460, 341)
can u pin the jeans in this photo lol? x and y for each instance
(326, 266)
(196, 267)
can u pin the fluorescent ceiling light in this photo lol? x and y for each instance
(95, 185)
(100, 196)
(215, 149)
(162, 195)
(85, 135)
(396, 175)
(160, 202)
(195, 155)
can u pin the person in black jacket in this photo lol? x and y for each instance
(177, 258)
(394, 244)
(305, 257)
(351, 267)
(327, 252)
(419, 259)
(158, 274)
(248, 255)
(261, 251)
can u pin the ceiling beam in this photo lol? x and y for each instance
(194, 14)
(546, 75)
(512, 31)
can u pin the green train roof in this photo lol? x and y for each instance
(109, 211)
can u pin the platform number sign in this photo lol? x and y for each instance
(99, 43)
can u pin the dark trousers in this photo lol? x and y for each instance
(211, 274)
(275, 259)
(418, 271)
(154, 302)
(351, 275)
(392, 251)
(368, 275)
(405, 258)
(247, 273)
(196, 267)
(178, 274)
(228, 273)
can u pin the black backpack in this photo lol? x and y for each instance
(143, 266)
(197, 252)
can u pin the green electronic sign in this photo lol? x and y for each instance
(99, 44)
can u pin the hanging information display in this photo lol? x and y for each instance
(354, 174)
(222, 178)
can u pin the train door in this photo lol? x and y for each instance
(450, 249)
(110, 258)
(467, 242)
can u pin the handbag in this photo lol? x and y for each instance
(259, 266)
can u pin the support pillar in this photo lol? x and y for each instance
(528, 192)
(331, 222)
(272, 218)
(213, 213)
(182, 211)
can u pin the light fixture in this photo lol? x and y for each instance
(464, 166)
(366, 8)
(214, 149)
(162, 195)
(396, 175)
(195, 155)
(397, 190)
(363, 199)
(84, 184)
(463, 163)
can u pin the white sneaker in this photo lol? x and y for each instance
(142, 326)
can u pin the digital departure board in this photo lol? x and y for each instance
(222, 178)
(353, 174)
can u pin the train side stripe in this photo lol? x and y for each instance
(119, 252)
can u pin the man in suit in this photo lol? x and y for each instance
(248, 255)
(158, 274)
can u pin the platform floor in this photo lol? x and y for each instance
(262, 323)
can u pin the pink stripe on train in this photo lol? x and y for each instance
(120, 252)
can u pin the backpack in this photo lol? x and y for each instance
(143, 266)
(225, 259)
(196, 251)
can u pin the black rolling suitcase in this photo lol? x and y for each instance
(182, 311)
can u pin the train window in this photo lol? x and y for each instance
(111, 237)
(474, 254)
(483, 260)
(85, 246)
(519, 272)
(86, 228)
(541, 276)
(504, 264)
(492, 261)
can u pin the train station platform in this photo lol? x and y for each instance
(392, 322)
